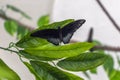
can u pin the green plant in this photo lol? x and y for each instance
(42, 56)
(49, 62)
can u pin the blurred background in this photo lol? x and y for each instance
(59, 10)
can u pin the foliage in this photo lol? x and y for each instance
(82, 62)
(49, 72)
(10, 26)
(44, 20)
(108, 65)
(49, 62)
(69, 57)
(6, 73)
(115, 75)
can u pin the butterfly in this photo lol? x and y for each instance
(56, 36)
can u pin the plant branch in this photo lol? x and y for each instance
(100, 47)
(108, 48)
(8, 50)
(19, 23)
(108, 15)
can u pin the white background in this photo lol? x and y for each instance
(59, 10)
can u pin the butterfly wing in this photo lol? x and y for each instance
(51, 35)
(69, 29)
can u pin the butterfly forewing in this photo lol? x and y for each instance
(69, 29)
(52, 35)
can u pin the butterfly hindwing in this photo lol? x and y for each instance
(69, 29)
(51, 35)
(55, 41)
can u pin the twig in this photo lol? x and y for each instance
(108, 48)
(108, 15)
(19, 23)
(99, 47)
(8, 50)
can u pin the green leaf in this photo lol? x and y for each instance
(6, 73)
(10, 26)
(55, 25)
(62, 51)
(32, 71)
(29, 42)
(21, 32)
(43, 20)
(18, 10)
(118, 59)
(115, 75)
(48, 72)
(94, 70)
(82, 62)
(36, 58)
(109, 65)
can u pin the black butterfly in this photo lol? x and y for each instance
(59, 35)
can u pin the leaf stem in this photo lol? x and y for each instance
(7, 49)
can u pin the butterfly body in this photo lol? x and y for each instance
(59, 35)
